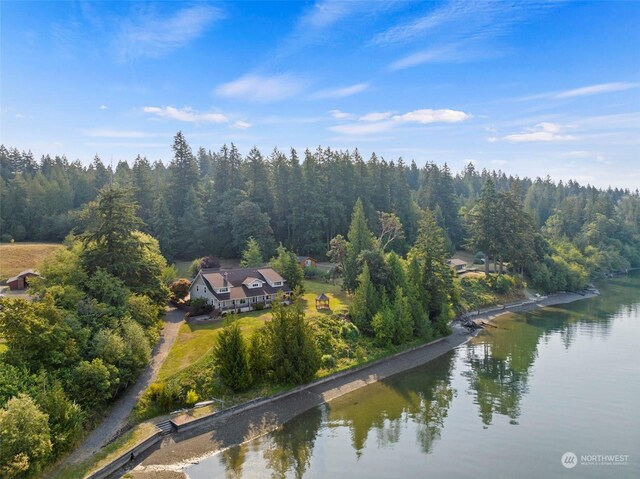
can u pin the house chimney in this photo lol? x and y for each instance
(225, 279)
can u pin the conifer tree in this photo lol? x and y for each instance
(231, 357)
(251, 256)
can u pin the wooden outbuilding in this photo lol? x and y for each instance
(20, 281)
(322, 301)
(306, 262)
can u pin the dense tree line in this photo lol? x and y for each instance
(85, 337)
(211, 203)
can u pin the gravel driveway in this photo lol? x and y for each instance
(116, 420)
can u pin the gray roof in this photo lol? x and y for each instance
(457, 262)
(26, 272)
(238, 279)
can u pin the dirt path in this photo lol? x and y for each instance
(116, 420)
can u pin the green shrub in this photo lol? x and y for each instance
(328, 361)
(192, 398)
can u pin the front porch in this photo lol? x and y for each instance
(243, 305)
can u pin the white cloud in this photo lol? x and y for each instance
(341, 115)
(262, 89)
(499, 162)
(458, 30)
(584, 91)
(376, 116)
(363, 128)
(185, 114)
(376, 122)
(492, 139)
(542, 132)
(427, 115)
(241, 125)
(326, 13)
(342, 92)
(103, 107)
(114, 133)
(146, 34)
(20, 115)
(596, 89)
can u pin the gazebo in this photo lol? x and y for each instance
(322, 301)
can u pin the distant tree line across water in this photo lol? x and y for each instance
(210, 203)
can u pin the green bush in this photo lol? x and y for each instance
(200, 306)
(192, 398)
(328, 361)
(259, 306)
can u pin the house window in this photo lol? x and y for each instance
(278, 283)
(197, 288)
(243, 301)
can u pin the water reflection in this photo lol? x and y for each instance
(290, 448)
(422, 396)
(399, 421)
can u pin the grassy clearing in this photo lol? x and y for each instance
(196, 341)
(339, 301)
(106, 454)
(17, 257)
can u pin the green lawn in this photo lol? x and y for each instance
(195, 341)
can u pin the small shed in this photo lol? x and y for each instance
(458, 265)
(306, 262)
(20, 281)
(322, 301)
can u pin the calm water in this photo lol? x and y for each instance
(509, 404)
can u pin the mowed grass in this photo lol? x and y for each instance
(195, 341)
(17, 257)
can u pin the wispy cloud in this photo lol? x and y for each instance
(185, 114)
(542, 132)
(342, 92)
(376, 116)
(459, 30)
(427, 115)
(596, 89)
(341, 115)
(363, 128)
(262, 88)
(147, 34)
(115, 133)
(103, 107)
(376, 122)
(241, 125)
(584, 91)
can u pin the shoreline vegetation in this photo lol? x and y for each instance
(245, 422)
(288, 403)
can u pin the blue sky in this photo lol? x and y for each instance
(535, 89)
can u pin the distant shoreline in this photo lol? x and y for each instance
(522, 306)
(225, 430)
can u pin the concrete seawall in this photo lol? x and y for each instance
(196, 438)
